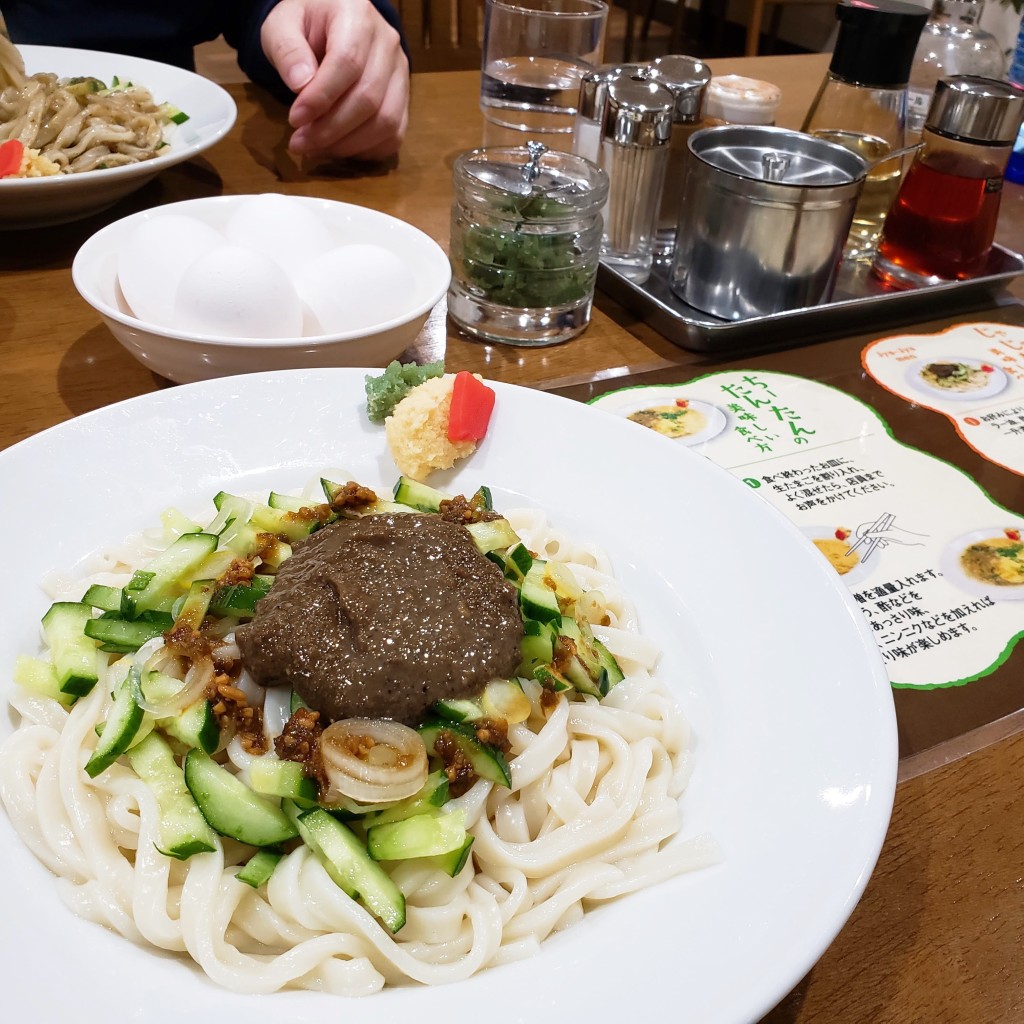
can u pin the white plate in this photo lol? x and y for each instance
(795, 728)
(996, 383)
(949, 563)
(38, 202)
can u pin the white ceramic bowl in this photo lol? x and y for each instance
(39, 202)
(185, 357)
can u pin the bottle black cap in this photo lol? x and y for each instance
(876, 42)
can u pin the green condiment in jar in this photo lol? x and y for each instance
(525, 243)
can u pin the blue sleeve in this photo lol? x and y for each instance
(244, 35)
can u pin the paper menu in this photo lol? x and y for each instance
(971, 373)
(920, 545)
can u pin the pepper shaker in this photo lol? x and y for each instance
(586, 132)
(686, 78)
(634, 153)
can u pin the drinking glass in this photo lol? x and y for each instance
(535, 52)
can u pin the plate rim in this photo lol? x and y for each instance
(761, 994)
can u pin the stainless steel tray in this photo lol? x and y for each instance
(860, 300)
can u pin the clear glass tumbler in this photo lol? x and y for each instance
(535, 53)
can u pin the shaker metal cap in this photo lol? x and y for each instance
(976, 108)
(594, 86)
(686, 78)
(876, 42)
(638, 113)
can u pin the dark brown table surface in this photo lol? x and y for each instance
(938, 934)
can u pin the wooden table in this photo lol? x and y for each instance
(938, 933)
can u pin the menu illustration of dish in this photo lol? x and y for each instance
(972, 373)
(940, 581)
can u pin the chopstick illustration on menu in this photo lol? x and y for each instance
(880, 533)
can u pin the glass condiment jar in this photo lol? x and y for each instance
(862, 103)
(952, 43)
(943, 222)
(525, 243)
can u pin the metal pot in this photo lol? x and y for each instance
(764, 216)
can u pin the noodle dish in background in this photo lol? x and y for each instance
(790, 761)
(119, 122)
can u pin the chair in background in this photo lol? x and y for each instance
(756, 17)
(443, 35)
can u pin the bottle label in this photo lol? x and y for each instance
(918, 101)
(994, 184)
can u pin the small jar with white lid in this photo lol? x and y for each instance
(735, 99)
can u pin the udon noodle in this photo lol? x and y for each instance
(73, 125)
(593, 806)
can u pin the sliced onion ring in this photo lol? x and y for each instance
(193, 687)
(373, 760)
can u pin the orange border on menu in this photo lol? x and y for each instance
(924, 403)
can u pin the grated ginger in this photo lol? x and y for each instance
(417, 430)
(35, 165)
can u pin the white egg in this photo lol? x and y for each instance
(153, 259)
(356, 286)
(233, 292)
(280, 227)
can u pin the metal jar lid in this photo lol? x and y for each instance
(686, 78)
(638, 113)
(777, 156)
(976, 108)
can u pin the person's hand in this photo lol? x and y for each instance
(351, 78)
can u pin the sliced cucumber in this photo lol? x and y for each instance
(452, 863)
(287, 525)
(231, 807)
(418, 496)
(582, 667)
(183, 829)
(167, 575)
(72, 651)
(239, 600)
(536, 646)
(273, 777)
(259, 868)
(433, 795)
(536, 599)
(488, 762)
(119, 729)
(493, 535)
(459, 710)
(423, 835)
(611, 667)
(106, 599)
(195, 605)
(197, 727)
(351, 868)
(286, 503)
(122, 636)
(40, 677)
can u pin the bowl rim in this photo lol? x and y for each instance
(224, 120)
(87, 256)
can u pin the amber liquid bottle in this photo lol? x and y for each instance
(942, 224)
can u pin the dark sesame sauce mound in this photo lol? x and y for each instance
(382, 616)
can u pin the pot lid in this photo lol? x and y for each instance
(777, 155)
(533, 170)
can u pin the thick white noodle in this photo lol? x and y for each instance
(591, 816)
